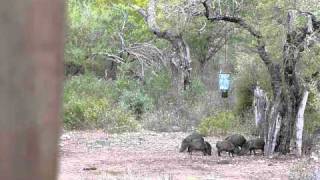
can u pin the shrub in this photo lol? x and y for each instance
(86, 98)
(158, 85)
(117, 120)
(83, 112)
(136, 101)
(217, 124)
(88, 85)
(312, 121)
(90, 102)
(250, 71)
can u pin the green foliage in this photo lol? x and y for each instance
(220, 123)
(86, 98)
(90, 103)
(82, 112)
(195, 91)
(118, 120)
(158, 85)
(87, 85)
(136, 101)
(250, 71)
(131, 96)
(312, 121)
(94, 27)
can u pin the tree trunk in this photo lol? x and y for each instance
(181, 60)
(300, 122)
(31, 73)
(291, 55)
(260, 104)
(177, 80)
(273, 125)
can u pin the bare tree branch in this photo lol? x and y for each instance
(243, 24)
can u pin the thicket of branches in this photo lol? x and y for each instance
(154, 64)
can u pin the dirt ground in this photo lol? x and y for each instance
(91, 155)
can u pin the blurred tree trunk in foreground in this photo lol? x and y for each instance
(31, 73)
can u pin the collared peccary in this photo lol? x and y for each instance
(208, 148)
(307, 143)
(196, 145)
(226, 146)
(237, 140)
(253, 145)
(194, 141)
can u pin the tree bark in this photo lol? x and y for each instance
(260, 104)
(180, 60)
(31, 74)
(300, 122)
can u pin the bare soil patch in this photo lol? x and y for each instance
(149, 155)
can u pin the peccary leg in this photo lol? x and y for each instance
(219, 153)
(204, 153)
(190, 150)
(254, 152)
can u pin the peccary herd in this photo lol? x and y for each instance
(234, 144)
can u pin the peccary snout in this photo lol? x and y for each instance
(226, 146)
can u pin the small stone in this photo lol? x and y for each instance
(89, 168)
(223, 162)
(65, 137)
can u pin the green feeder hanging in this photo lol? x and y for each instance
(224, 84)
(225, 75)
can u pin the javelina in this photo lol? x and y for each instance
(198, 138)
(197, 145)
(226, 146)
(237, 140)
(208, 148)
(254, 144)
(307, 142)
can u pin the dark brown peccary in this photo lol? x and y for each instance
(198, 145)
(226, 146)
(307, 143)
(237, 140)
(188, 140)
(256, 144)
(208, 148)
